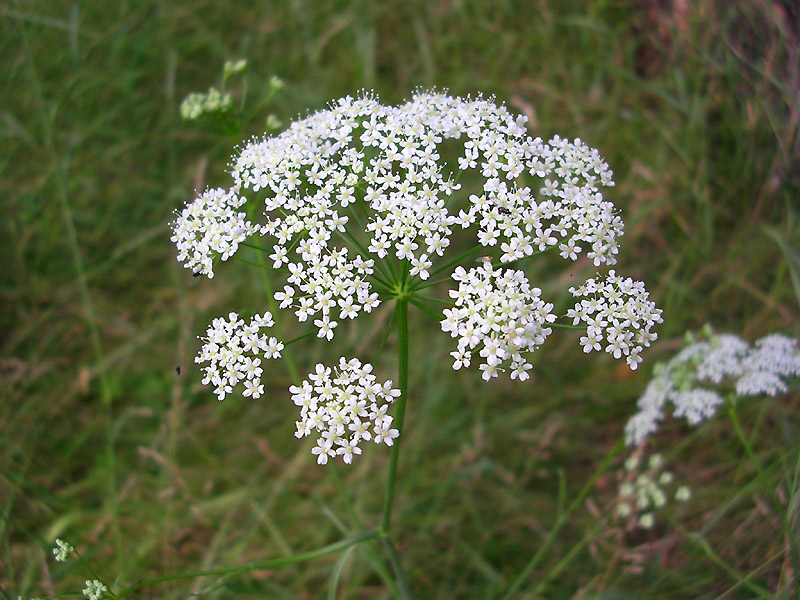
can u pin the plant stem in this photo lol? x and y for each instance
(402, 333)
(401, 313)
(737, 426)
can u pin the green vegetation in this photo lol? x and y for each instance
(108, 440)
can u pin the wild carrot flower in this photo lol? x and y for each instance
(358, 204)
(695, 379)
(498, 311)
(617, 313)
(211, 227)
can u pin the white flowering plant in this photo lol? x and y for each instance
(358, 205)
(717, 369)
(646, 488)
(223, 110)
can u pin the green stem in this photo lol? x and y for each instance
(402, 333)
(401, 313)
(561, 521)
(743, 580)
(270, 563)
(426, 310)
(566, 326)
(730, 402)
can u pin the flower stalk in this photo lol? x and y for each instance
(401, 312)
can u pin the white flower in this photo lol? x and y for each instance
(62, 550)
(210, 227)
(616, 311)
(693, 379)
(342, 404)
(643, 489)
(197, 104)
(499, 312)
(233, 350)
(94, 589)
(386, 160)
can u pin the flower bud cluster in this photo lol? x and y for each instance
(233, 350)
(345, 405)
(693, 379)
(198, 104)
(497, 310)
(62, 550)
(618, 314)
(644, 490)
(94, 589)
(210, 226)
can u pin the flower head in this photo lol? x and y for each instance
(617, 313)
(62, 550)
(344, 405)
(198, 104)
(372, 177)
(499, 312)
(692, 381)
(643, 490)
(233, 349)
(210, 226)
(94, 589)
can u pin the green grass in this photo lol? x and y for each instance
(103, 444)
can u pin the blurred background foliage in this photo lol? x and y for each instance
(695, 105)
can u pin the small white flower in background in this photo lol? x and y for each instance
(234, 67)
(197, 104)
(642, 493)
(683, 494)
(618, 314)
(276, 84)
(62, 550)
(695, 380)
(94, 589)
(233, 348)
(499, 311)
(345, 405)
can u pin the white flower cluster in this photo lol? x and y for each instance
(643, 490)
(498, 311)
(330, 283)
(618, 314)
(62, 550)
(722, 360)
(197, 104)
(94, 589)
(379, 171)
(345, 405)
(233, 348)
(209, 227)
